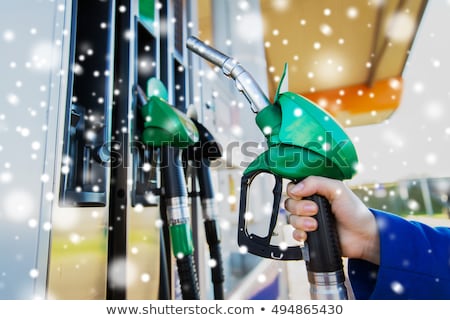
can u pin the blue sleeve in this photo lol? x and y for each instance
(414, 262)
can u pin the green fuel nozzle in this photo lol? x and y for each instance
(303, 140)
(163, 124)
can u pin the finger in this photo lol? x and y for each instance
(301, 207)
(299, 235)
(303, 223)
(290, 193)
(329, 188)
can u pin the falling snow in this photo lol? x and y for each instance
(387, 151)
(397, 287)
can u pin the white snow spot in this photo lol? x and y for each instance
(159, 223)
(32, 223)
(18, 205)
(392, 138)
(25, 132)
(326, 146)
(95, 214)
(134, 250)
(77, 69)
(117, 271)
(145, 277)
(283, 246)
(49, 196)
(6, 177)
(9, 35)
(281, 5)
(418, 87)
(243, 249)
(252, 25)
(180, 255)
(236, 130)
(65, 169)
(431, 158)
(243, 5)
(66, 221)
(248, 216)
(43, 56)
(212, 263)
(434, 110)
(397, 287)
(35, 145)
(75, 238)
(352, 13)
(232, 199)
(267, 130)
(436, 63)
(150, 197)
(376, 3)
(382, 224)
(13, 99)
(327, 12)
(326, 29)
(138, 208)
(219, 197)
(413, 205)
(225, 225)
(394, 84)
(47, 226)
(34, 273)
(400, 27)
(262, 278)
(146, 167)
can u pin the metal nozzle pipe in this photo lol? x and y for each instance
(327, 285)
(208, 53)
(233, 69)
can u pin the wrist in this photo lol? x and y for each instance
(371, 250)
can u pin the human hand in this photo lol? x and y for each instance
(356, 225)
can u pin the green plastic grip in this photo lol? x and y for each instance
(181, 236)
(303, 140)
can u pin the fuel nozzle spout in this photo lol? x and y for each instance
(233, 69)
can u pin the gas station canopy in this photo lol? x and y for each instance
(348, 55)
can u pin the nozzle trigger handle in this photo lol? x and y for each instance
(324, 246)
(261, 245)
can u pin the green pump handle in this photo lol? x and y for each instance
(303, 140)
(170, 130)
